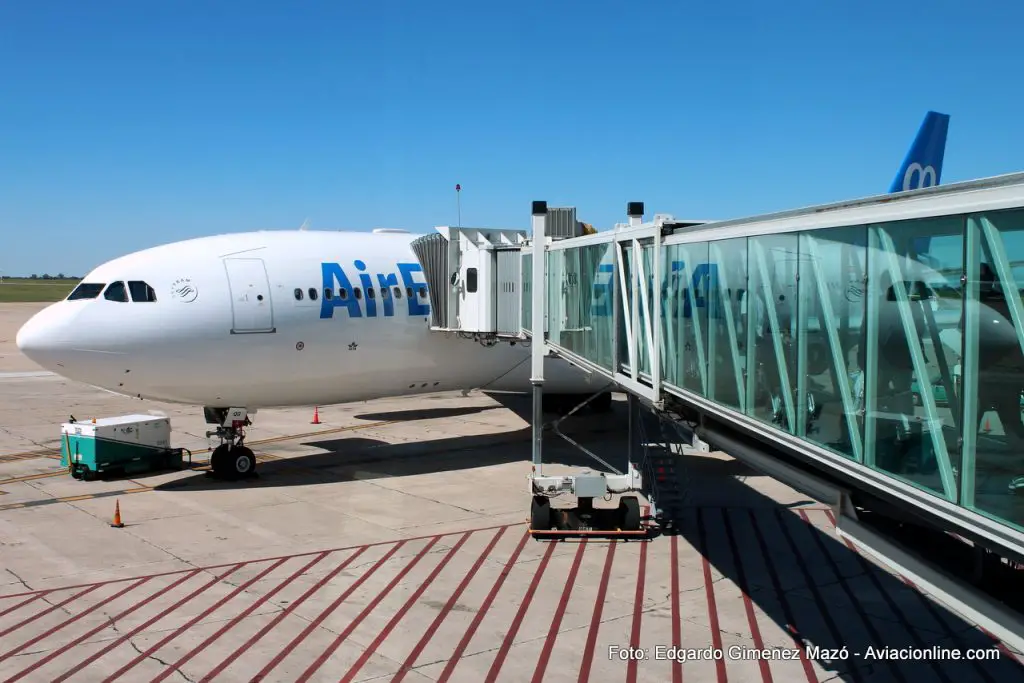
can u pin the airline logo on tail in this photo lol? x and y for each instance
(923, 165)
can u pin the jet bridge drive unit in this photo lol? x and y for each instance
(127, 444)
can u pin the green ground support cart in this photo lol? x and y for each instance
(128, 444)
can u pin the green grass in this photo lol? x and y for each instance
(24, 290)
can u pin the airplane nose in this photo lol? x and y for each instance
(40, 338)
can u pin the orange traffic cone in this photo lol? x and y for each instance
(987, 427)
(316, 415)
(117, 516)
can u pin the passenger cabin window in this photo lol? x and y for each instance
(86, 290)
(298, 294)
(423, 291)
(116, 292)
(470, 280)
(312, 293)
(398, 292)
(370, 293)
(408, 292)
(141, 291)
(328, 294)
(358, 292)
(342, 293)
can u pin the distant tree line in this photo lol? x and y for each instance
(58, 276)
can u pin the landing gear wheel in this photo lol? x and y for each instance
(243, 462)
(218, 459)
(629, 510)
(602, 404)
(540, 514)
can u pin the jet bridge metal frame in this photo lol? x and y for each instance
(584, 519)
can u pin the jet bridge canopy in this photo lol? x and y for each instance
(474, 275)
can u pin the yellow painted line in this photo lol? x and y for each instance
(30, 477)
(71, 499)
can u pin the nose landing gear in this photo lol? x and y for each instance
(232, 459)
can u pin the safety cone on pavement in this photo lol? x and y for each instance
(117, 516)
(316, 415)
(986, 428)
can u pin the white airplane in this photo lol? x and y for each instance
(265, 319)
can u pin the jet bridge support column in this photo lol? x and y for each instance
(537, 348)
(587, 485)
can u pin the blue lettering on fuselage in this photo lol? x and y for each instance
(335, 279)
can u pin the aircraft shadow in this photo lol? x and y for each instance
(803, 579)
(424, 414)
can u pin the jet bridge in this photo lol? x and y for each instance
(869, 353)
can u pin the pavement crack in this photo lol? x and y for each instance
(135, 647)
(20, 580)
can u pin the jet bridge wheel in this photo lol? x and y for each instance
(629, 513)
(540, 514)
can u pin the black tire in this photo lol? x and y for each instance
(540, 514)
(219, 459)
(629, 509)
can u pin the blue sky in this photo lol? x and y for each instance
(129, 124)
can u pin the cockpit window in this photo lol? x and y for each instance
(116, 292)
(87, 290)
(141, 291)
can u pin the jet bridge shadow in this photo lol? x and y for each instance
(788, 561)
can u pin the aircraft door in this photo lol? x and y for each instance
(251, 307)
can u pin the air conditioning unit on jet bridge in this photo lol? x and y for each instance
(474, 278)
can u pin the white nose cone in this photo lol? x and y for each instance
(42, 337)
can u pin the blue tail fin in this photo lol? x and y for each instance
(923, 165)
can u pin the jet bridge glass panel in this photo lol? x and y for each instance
(994, 354)
(726, 286)
(581, 279)
(833, 268)
(684, 323)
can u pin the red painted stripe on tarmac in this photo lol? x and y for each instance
(868, 624)
(72, 620)
(326, 654)
(248, 610)
(325, 613)
(386, 631)
(284, 613)
(595, 620)
(189, 624)
(819, 601)
(432, 629)
(138, 629)
(677, 624)
(929, 605)
(556, 622)
(46, 611)
(709, 591)
(794, 633)
(258, 560)
(468, 635)
(22, 603)
(510, 635)
(81, 639)
(748, 605)
(638, 610)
